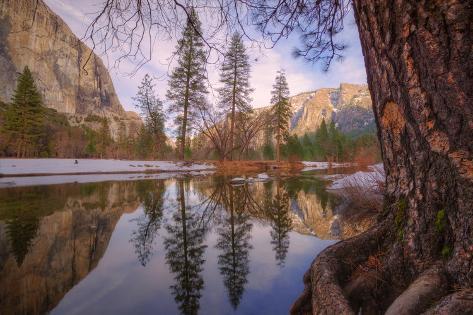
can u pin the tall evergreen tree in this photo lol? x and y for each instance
(151, 108)
(24, 118)
(281, 110)
(321, 140)
(235, 92)
(187, 88)
(104, 138)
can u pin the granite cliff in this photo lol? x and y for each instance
(349, 106)
(32, 35)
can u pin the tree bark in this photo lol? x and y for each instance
(419, 63)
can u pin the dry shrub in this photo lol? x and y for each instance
(366, 193)
(368, 155)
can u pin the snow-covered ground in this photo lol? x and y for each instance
(90, 178)
(11, 167)
(365, 179)
(313, 166)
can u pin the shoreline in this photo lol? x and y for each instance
(47, 167)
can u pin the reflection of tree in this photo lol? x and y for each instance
(22, 210)
(149, 223)
(281, 224)
(184, 255)
(234, 235)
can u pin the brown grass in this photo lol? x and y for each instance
(244, 167)
(366, 194)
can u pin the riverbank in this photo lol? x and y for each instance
(31, 172)
(41, 167)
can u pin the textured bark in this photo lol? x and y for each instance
(419, 63)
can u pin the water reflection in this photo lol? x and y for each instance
(185, 253)
(52, 237)
(193, 236)
(281, 222)
(234, 234)
(151, 194)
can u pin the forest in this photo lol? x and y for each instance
(29, 129)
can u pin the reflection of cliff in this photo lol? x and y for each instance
(313, 210)
(323, 215)
(74, 226)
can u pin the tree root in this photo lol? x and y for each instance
(421, 293)
(323, 293)
(460, 302)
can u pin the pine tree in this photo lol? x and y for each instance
(104, 138)
(321, 140)
(187, 88)
(24, 118)
(151, 108)
(235, 92)
(281, 110)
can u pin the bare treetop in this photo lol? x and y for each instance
(133, 28)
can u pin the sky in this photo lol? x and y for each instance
(302, 76)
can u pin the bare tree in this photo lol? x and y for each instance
(249, 127)
(135, 27)
(214, 126)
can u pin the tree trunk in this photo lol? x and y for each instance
(184, 121)
(278, 144)
(419, 62)
(232, 127)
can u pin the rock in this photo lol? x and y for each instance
(349, 106)
(237, 180)
(262, 177)
(69, 81)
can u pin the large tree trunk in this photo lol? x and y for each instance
(419, 63)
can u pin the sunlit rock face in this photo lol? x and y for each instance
(349, 106)
(69, 237)
(71, 79)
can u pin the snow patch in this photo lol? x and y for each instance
(312, 166)
(365, 179)
(69, 166)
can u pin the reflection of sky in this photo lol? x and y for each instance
(120, 285)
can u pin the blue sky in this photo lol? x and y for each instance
(302, 76)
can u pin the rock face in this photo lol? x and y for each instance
(71, 78)
(349, 106)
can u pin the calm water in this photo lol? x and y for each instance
(176, 246)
